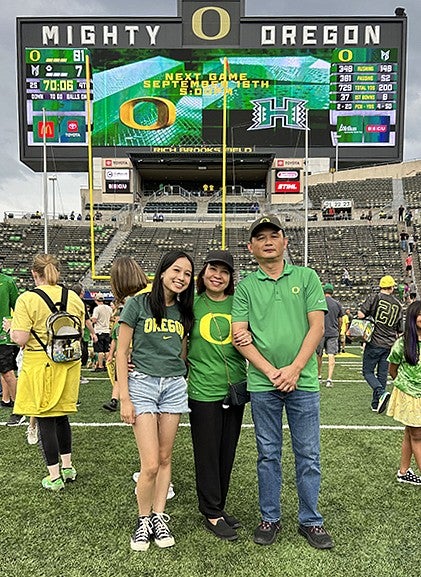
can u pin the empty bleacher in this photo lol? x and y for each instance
(368, 193)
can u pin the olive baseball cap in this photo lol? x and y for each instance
(328, 288)
(265, 220)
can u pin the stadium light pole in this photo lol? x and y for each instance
(306, 191)
(53, 180)
(45, 182)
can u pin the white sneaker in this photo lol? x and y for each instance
(84, 381)
(170, 494)
(32, 434)
(329, 383)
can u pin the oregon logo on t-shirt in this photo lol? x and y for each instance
(219, 328)
(167, 326)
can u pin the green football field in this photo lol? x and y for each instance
(85, 529)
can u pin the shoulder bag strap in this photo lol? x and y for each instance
(53, 308)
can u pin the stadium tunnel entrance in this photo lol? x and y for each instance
(202, 173)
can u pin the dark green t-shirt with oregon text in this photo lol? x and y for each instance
(156, 349)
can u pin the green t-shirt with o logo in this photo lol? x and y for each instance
(210, 351)
(156, 349)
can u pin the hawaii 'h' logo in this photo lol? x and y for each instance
(292, 113)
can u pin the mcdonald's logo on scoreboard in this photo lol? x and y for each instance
(49, 129)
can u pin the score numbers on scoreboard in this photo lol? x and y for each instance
(56, 82)
(364, 79)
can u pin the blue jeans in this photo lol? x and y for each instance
(303, 414)
(376, 357)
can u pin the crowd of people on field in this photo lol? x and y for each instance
(204, 348)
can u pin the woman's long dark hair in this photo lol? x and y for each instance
(410, 338)
(184, 299)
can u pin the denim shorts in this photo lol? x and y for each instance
(158, 394)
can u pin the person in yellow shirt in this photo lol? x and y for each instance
(46, 389)
(346, 320)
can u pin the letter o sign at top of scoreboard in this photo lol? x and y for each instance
(224, 23)
(211, 23)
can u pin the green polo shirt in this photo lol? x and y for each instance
(276, 311)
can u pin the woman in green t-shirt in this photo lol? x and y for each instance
(213, 363)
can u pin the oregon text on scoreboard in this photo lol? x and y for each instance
(157, 84)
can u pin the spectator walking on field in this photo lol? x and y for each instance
(47, 390)
(386, 311)
(330, 340)
(283, 307)
(101, 319)
(346, 321)
(8, 349)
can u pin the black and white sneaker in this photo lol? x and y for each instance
(16, 420)
(409, 477)
(141, 538)
(266, 533)
(160, 530)
(111, 406)
(383, 402)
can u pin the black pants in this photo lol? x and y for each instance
(55, 438)
(215, 432)
(85, 353)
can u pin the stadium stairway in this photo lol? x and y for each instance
(103, 263)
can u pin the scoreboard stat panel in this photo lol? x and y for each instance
(56, 85)
(363, 95)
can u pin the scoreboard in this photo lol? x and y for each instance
(364, 95)
(157, 85)
(56, 85)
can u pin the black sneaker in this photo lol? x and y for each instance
(160, 530)
(317, 536)
(16, 420)
(231, 520)
(8, 404)
(141, 538)
(383, 402)
(221, 530)
(111, 406)
(266, 533)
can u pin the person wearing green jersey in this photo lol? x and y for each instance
(8, 350)
(213, 364)
(405, 401)
(283, 306)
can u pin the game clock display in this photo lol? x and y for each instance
(56, 86)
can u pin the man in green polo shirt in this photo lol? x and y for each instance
(283, 306)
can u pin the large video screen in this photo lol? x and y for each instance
(156, 86)
(173, 98)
